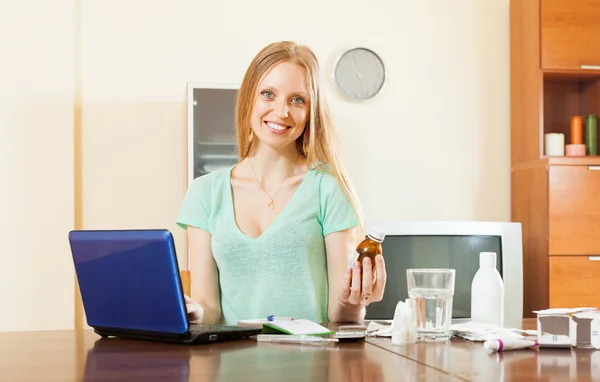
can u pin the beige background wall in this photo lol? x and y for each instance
(433, 145)
(36, 164)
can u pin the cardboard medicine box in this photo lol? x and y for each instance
(563, 328)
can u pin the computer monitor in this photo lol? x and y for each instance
(455, 245)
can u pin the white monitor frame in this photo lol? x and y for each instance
(510, 234)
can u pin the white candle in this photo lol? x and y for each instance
(554, 144)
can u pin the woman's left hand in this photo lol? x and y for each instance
(362, 291)
(195, 311)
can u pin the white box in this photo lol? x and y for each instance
(563, 328)
(588, 329)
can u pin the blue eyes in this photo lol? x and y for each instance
(267, 94)
(297, 100)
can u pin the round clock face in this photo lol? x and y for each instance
(359, 74)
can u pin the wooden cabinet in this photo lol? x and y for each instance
(574, 281)
(555, 75)
(570, 34)
(574, 210)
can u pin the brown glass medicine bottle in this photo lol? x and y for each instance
(370, 247)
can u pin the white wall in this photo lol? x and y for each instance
(437, 139)
(36, 164)
(434, 145)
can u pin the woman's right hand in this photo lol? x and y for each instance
(194, 310)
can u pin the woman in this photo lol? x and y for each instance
(274, 234)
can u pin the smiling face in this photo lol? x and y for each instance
(281, 107)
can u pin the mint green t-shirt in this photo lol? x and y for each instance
(283, 272)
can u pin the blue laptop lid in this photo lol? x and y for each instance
(129, 279)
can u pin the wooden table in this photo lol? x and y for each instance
(84, 356)
(468, 361)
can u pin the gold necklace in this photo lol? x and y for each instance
(271, 204)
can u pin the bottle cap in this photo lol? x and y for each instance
(377, 234)
(487, 259)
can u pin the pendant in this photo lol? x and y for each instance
(271, 204)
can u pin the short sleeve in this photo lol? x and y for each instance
(336, 212)
(196, 206)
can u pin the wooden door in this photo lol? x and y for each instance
(570, 34)
(574, 281)
(574, 210)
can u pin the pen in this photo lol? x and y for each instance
(297, 339)
(273, 318)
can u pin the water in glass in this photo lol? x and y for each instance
(432, 312)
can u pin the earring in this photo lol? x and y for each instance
(305, 141)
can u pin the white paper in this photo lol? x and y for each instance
(562, 311)
(379, 330)
(474, 331)
(300, 326)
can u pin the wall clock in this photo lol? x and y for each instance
(359, 74)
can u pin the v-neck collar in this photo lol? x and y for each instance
(274, 222)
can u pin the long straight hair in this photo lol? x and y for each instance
(323, 151)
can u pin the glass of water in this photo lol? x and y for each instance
(431, 291)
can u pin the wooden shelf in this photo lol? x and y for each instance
(582, 75)
(557, 161)
(568, 96)
(574, 161)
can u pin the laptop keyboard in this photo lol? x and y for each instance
(203, 328)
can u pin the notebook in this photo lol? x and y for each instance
(287, 326)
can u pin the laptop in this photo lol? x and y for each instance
(131, 287)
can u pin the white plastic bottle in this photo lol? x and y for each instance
(487, 292)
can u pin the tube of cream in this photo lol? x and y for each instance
(508, 344)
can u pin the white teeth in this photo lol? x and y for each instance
(276, 126)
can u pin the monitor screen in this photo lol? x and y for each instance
(438, 251)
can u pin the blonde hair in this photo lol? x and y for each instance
(323, 152)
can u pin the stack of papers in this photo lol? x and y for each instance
(474, 331)
(378, 330)
(471, 331)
